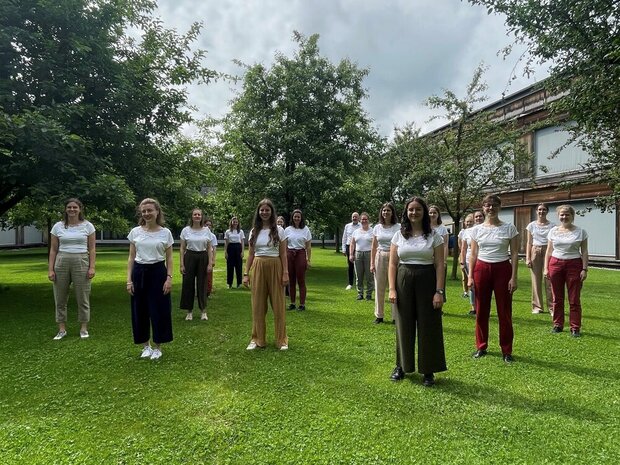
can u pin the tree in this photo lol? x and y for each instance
(85, 105)
(456, 164)
(581, 39)
(297, 133)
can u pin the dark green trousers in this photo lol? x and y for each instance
(415, 315)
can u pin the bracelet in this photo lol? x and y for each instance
(585, 269)
(245, 274)
(169, 275)
(130, 284)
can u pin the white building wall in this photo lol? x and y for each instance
(546, 142)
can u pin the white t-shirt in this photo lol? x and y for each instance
(297, 237)
(539, 232)
(73, 239)
(567, 244)
(196, 240)
(441, 230)
(234, 237)
(150, 246)
(263, 246)
(349, 229)
(465, 236)
(493, 241)
(363, 240)
(213, 239)
(384, 235)
(418, 250)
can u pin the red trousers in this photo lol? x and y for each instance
(297, 264)
(566, 273)
(489, 279)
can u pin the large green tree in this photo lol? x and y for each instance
(581, 40)
(297, 133)
(87, 108)
(456, 164)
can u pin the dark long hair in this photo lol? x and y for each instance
(405, 224)
(391, 207)
(258, 225)
(230, 225)
(438, 212)
(65, 217)
(302, 223)
(203, 218)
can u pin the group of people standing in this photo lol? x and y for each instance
(409, 258)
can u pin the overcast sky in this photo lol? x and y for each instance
(412, 48)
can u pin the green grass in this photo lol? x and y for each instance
(328, 400)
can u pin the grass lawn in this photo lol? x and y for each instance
(328, 400)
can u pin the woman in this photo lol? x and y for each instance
(72, 260)
(493, 264)
(268, 267)
(299, 253)
(382, 235)
(471, 220)
(196, 257)
(280, 221)
(535, 250)
(416, 280)
(149, 279)
(361, 245)
(439, 228)
(234, 238)
(566, 264)
(213, 238)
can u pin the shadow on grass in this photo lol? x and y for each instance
(579, 370)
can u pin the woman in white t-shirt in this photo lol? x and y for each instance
(359, 254)
(196, 260)
(535, 250)
(493, 266)
(234, 243)
(299, 254)
(416, 280)
(382, 233)
(72, 260)
(149, 279)
(267, 274)
(566, 265)
(472, 220)
(437, 225)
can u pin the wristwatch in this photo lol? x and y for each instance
(440, 291)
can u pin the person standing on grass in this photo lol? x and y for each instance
(416, 281)
(359, 253)
(535, 250)
(380, 255)
(72, 260)
(234, 238)
(566, 264)
(465, 252)
(349, 229)
(196, 257)
(149, 279)
(213, 239)
(436, 224)
(494, 264)
(267, 274)
(299, 253)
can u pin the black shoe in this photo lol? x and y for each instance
(393, 322)
(301, 308)
(479, 353)
(508, 358)
(557, 329)
(472, 312)
(369, 297)
(575, 333)
(378, 321)
(360, 297)
(291, 307)
(428, 380)
(398, 374)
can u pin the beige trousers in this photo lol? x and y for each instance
(72, 268)
(266, 282)
(537, 255)
(382, 261)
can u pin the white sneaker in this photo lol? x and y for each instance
(251, 346)
(204, 316)
(284, 347)
(84, 334)
(349, 287)
(156, 354)
(60, 335)
(189, 317)
(146, 352)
